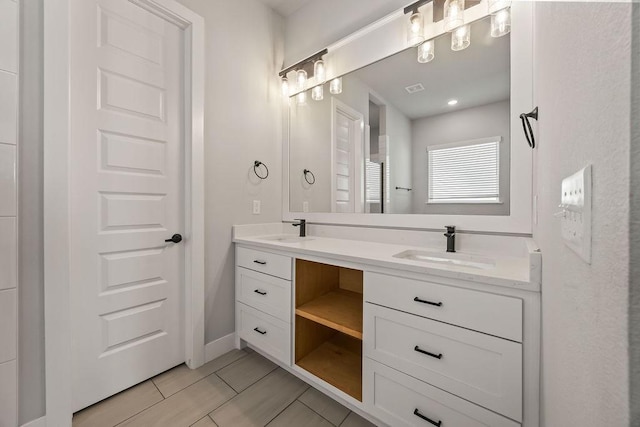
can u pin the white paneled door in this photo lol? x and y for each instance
(127, 197)
(347, 145)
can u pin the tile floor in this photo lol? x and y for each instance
(238, 389)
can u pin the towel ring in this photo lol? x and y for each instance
(526, 126)
(307, 172)
(257, 165)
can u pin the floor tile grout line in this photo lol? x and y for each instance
(214, 423)
(228, 364)
(201, 379)
(323, 417)
(156, 386)
(294, 400)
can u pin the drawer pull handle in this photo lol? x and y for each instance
(258, 291)
(419, 350)
(437, 304)
(259, 331)
(427, 419)
(257, 261)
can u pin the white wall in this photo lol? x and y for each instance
(9, 72)
(321, 23)
(244, 50)
(634, 255)
(463, 125)
(582, 86)
(31, 308)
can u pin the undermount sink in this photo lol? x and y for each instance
(463, 260)
(287, 239)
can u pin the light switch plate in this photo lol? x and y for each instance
(576, 212)
(256, 207)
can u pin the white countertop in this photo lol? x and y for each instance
(513, 272)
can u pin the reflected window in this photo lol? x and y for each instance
(464, 172)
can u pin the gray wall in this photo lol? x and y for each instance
(634, 256)
(584, 118)
(464, 125)
(244, 51)
(321, 23)
(31, 292)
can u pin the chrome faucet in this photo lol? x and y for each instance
(451, 238)
(303, 226)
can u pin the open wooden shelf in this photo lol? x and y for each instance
(338, 362)
(340, 310)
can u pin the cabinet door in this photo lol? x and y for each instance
(402, 401)
(481, 311)
(266, 293)
(264, 262)
(271, 335)
(480, 368)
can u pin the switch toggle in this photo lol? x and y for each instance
(576, 212)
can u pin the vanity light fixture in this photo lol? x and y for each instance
(426, 52)
(452, 102)
(301, 79)
(453, 14)
(461, 38)
(498, 5)
(317, 93)
(319, 71)
(415, 29)
(314, 64)
(335, 87)
(501, 23)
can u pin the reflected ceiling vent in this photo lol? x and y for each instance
(414, 88)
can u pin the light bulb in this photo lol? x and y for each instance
(497, 5)
(453, 14)
(461, 38)
(317, 93)
(285, 87)
(415, 31)
(501, 23)
(301, 98)
(301, 79)
(319, 71)
(335, 87)
(426, 52)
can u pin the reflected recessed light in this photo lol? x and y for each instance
(453, 102)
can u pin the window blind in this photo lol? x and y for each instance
(466, 172)
(373, 182)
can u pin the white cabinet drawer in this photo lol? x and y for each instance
(271, 335)
(264, 262)
(480, 368)
(494, 314)
(401, 401)
(8, 394)
(266, 293)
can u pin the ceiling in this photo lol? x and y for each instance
(475, 76)
(285, 7)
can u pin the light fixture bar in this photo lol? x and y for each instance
(305, 61)
(415, 6)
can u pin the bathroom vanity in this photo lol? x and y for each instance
(403, 335)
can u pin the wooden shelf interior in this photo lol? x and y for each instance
(329, 355)
(340, 310)
(329, 324)
(330, 295)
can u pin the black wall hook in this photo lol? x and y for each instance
(526, 126)
(256, 166)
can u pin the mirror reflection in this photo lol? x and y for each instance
(407, 137)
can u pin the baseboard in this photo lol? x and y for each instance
(40, 422)
(219, 347)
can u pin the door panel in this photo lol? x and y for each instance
(127, 169)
